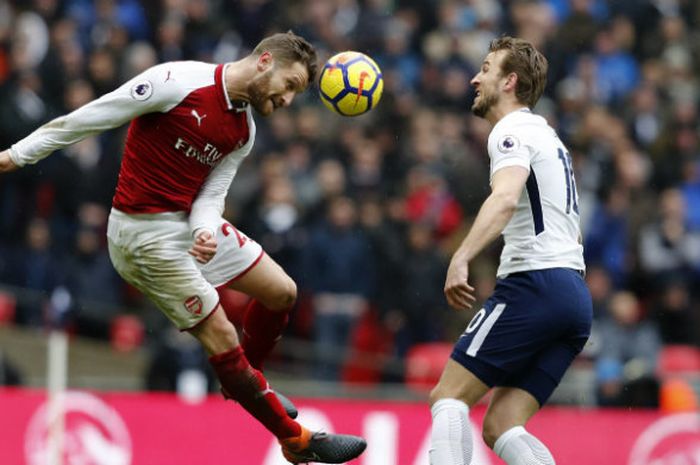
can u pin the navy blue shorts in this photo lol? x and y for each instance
(529, 331)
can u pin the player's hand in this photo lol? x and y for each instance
(459, 293)
(204, 247)
(6, 163)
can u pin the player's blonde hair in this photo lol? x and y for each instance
(527, 63)
(288, 48)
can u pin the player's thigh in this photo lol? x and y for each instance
(566, 326)
(156, 262)
(456, 382)
(268, 283)
(509, 407)
(529, 316)
(236, 255)
(547, 369)
(240, 264)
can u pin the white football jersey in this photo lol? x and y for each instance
(544, 231)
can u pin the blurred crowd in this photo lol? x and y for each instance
(364, 212)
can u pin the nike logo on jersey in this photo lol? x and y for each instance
(197, 117)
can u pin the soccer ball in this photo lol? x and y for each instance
(351, 83)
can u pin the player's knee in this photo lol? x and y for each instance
(283, 297)
(492, 429)
(489, 436)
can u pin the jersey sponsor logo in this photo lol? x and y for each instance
(194, 305)
(508, 143)
(142, 90)
(210, 155)
(197, 117)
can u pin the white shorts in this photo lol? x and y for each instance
(150, 253)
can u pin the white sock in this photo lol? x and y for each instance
(451, 436)
(518, 447)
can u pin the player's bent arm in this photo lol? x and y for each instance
(146, 93)
(507, 185)
(208, 206)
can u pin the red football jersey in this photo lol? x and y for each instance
(184, 144)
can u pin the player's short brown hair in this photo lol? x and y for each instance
(288, 48)
(527, 63)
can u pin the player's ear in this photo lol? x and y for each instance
(511, 82)
(264, 61)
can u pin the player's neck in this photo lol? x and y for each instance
(500, 110)
(236, 78)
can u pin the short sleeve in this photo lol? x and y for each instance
(509, 149)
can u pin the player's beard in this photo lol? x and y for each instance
(485, 103)
(259, 92)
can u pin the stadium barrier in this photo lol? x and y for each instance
(162, 429)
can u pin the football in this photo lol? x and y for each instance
(350, 83)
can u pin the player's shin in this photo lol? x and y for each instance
(518, 447)
(262, 328)
(451, 438)
(246, 385)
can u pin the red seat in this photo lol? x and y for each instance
(679, 359)
(126, 333)
(424, 364)
(372, 343)
(8, 308)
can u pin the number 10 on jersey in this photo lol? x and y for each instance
(570, 181)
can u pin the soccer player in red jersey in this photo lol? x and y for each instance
(191, 127)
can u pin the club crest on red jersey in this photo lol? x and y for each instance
(194, 305)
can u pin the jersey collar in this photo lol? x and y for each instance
(238, 106)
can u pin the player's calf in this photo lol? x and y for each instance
(262, 329)
(247, 386)
(288, 405)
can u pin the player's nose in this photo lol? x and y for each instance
(287, 98)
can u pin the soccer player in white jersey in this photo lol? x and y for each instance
(191, 127)
(539, 315)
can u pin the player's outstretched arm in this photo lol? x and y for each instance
(146, 93)
(6, 163)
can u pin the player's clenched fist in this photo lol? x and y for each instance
(204, 247)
